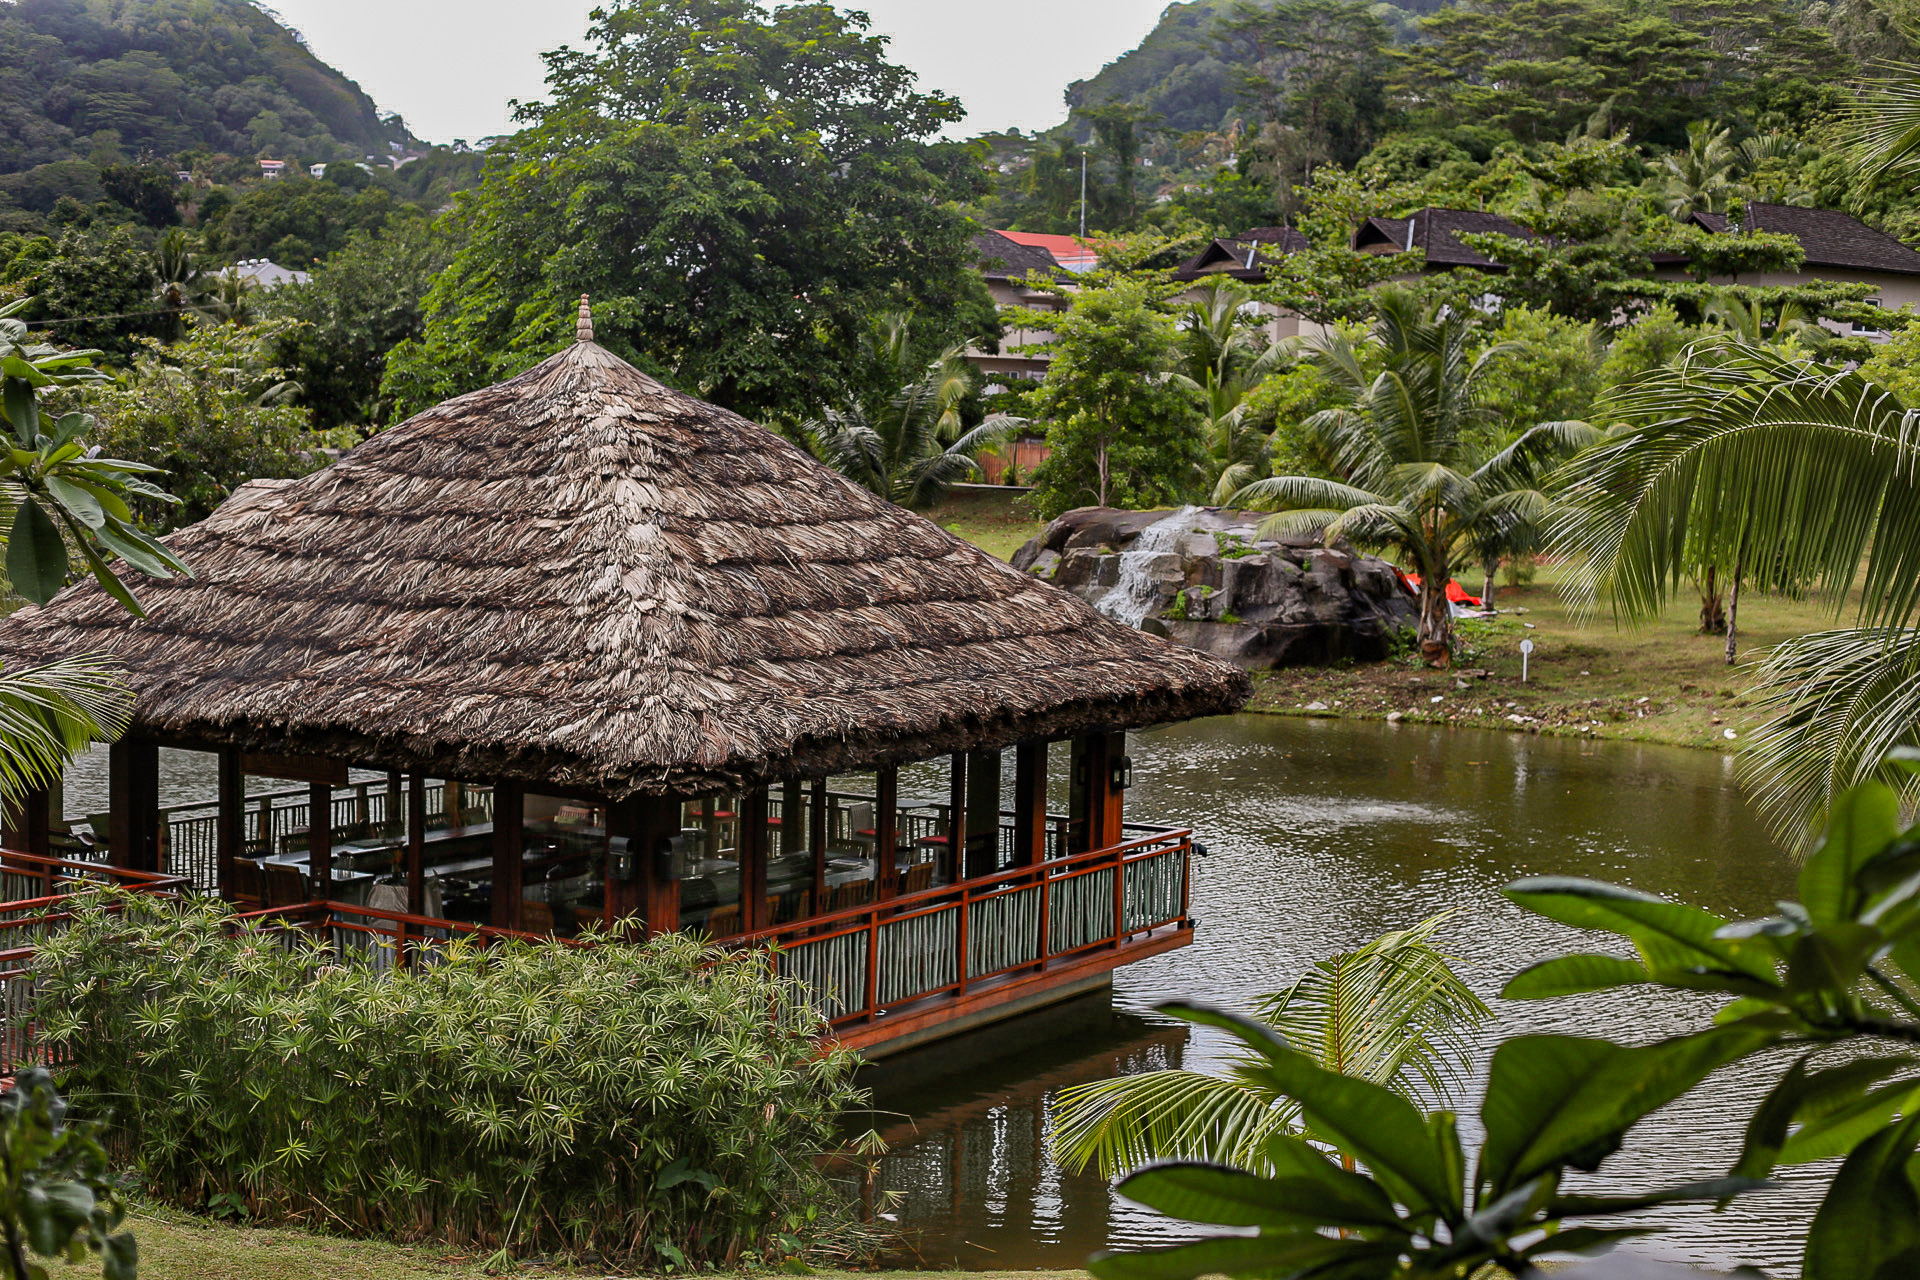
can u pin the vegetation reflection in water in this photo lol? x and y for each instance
(1322, 835)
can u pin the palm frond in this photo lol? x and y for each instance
(1132, 1120)
(51, 712)
(1393, 1012)
(1884, 123)
(1840, 701)
(1281, 493)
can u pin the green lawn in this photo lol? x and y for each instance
(996, 522)
(175, 1246)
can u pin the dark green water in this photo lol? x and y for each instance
(1323, 835)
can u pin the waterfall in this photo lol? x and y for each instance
(1137, 588)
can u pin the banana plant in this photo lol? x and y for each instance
(58, 492)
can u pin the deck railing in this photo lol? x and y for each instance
(861, 963)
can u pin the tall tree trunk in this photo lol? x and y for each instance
(1713, 612)
(1486, 588)
(1733, 613)
(1436, 621)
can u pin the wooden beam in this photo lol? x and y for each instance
(295, 768)
(416, 844)
(886, 837)
(957, 816)
(817, 838)
(320, 838)
(753, 861)
(983, 813)
(1030, 803)
(659, 890)
(509, 853)
(230, 818)
(133, 785)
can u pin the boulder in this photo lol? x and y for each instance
(1205, 577)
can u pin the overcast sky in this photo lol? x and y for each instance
(450, 66)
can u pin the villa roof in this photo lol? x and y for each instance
(583, 578)
(1242, 256)
(1829, 237)
(1435, 232)
(1066, 250)
(1004, 258)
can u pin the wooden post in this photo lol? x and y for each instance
(753, 861)
(817, 837)
(1079, 798)
(793, 825)
(320, 839)
(395, 810)
(886, 834)
(1098, 803)
(957, 816)
(983, 813)
(509, 852)
(29, 824)
(659, 891)
(416, 835)
(1030, 803)
(230, 818)
(1112, 795)
(133, 785)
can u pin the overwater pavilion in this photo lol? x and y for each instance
(578, 649)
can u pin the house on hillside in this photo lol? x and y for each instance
(1247, 257)
(1839, 247)
(1010, 268)
(273, 170)
(266, 274)
(1436, 232)
(1067, 251)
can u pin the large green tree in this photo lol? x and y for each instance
(739, 191)
(1122, 429)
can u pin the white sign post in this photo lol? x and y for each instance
(1526, 650)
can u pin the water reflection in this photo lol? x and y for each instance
(1323, 834)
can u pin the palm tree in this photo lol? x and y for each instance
(1393, 1013)
(1700, 179)
(1224, 359)
(1885, 124)
(1417, 480)
(178, 281)
(911, 445)
(51, 712)
(1795, 475)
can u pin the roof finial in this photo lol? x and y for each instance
(584, 330)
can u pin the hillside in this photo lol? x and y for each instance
(106, 80)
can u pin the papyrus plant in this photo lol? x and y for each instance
(660, 1105)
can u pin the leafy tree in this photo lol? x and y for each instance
(1224, 356)
(1789, 476)
(1548, 369)
(1641, 349)
(1314, 76)
(1121, 430)
(1407, 444)
(1895, 365)
(295, 220)
(362, 302)
(213, 412)
(92, 287)
(1580, 280)
(912, 445)
(145, 192)
(58, 1197)
(738, 192)
(1392, 1012)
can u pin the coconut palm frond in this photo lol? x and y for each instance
(1283, 493)
(51, 712)
(1794, 471)
(1841, 700)
(1394, 1013)
(1236, 477)
(1539, 444)
(1132, 1120)
(1884, 123)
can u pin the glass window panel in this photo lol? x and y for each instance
(706, 859)
(563, 884)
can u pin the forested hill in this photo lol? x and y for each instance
(1182, 75)
(105, 79)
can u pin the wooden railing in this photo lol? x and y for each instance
(862, 962)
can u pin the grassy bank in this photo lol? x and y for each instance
(175, 1246)
(1660, 683)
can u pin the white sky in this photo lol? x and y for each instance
(450, 66)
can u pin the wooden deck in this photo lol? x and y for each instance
(886, 976)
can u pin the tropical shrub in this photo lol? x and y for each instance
(1831, 982)
(656, 1104)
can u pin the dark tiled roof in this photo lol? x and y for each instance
(1242, 256)
(1435, 231)
(1835, 239)
(1004, 259)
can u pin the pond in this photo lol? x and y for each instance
(1323, 834)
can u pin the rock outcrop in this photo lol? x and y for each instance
(1205, 577)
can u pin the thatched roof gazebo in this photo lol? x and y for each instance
(582, 583)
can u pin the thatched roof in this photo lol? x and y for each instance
(584, 578)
